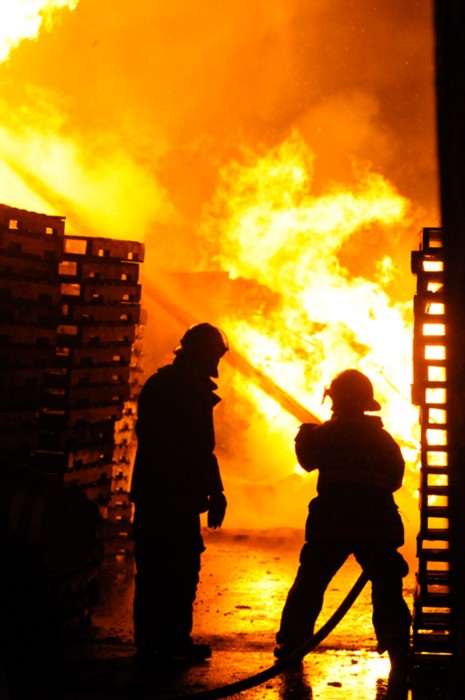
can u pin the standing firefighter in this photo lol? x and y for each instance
(360, 466)
(176, 477)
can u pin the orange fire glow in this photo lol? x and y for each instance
(290, 147)
(22, 19)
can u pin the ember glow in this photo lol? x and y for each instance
(288, 151)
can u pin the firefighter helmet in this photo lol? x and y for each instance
(352, 388)
(203, 339)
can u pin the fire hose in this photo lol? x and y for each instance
(296, 655)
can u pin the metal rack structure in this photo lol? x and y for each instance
(432, 648)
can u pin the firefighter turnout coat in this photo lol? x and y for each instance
(360, 466)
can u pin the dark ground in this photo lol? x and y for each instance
(245, 578)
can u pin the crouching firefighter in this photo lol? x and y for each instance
(176, 477)
(360, 466)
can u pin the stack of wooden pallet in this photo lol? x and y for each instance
(69, 379)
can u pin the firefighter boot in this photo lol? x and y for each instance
(399, 674)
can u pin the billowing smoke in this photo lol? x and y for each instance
(124, 116)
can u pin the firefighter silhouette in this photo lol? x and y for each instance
(360, 466)
(176, 477)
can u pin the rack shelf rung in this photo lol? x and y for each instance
(432, 621)
(434, 578)
(436, 490)
(433, 642)
(435, 600)
(436, 511)
(436, 534)
(427, 555)
(441, 470)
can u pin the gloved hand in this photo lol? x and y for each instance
(304, 446)
(216, 509)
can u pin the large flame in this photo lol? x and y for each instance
(22, 19)
(266, 224)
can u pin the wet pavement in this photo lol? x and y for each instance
(244, 581)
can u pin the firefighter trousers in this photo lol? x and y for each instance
(167, 557)
(319, 562)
